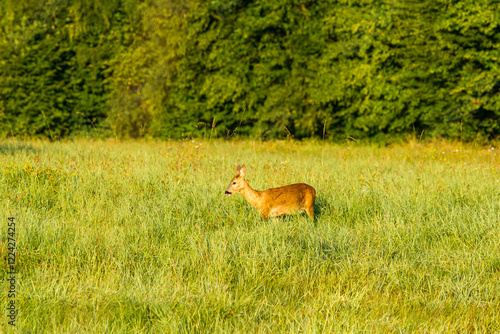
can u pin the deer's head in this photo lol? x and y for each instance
(238, 182)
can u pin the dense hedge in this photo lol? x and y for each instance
(171, 68)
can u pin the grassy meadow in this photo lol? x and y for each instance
(138, 237)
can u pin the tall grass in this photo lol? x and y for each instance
(130, 237)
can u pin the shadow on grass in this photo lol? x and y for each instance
(15, 148)
(320, 207)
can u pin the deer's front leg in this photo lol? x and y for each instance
(265, 213)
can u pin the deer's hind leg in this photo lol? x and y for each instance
(310, 211)
(309, 204)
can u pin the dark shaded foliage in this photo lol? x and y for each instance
(170, 68)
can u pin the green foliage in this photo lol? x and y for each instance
(144, 71)
(54, 65)
(361, 69)
(171, 68)
(470, 42)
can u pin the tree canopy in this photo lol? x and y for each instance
(171, 68)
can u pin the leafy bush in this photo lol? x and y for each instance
(170, 68)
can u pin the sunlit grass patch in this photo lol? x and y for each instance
(139, 237)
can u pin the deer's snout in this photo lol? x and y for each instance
(227, 193)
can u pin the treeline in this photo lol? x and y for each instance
(274, 68)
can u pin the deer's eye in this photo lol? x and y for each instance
(234, 182)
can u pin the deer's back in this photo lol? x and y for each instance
(295, 195)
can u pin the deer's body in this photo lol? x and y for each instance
(275, 202)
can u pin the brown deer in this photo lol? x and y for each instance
(274, 202)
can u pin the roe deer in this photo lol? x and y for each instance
(274, 202)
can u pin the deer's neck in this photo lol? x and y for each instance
(251, 195)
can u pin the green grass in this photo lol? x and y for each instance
(130, 237)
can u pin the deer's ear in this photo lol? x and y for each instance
(243, 171)
(238, 168)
